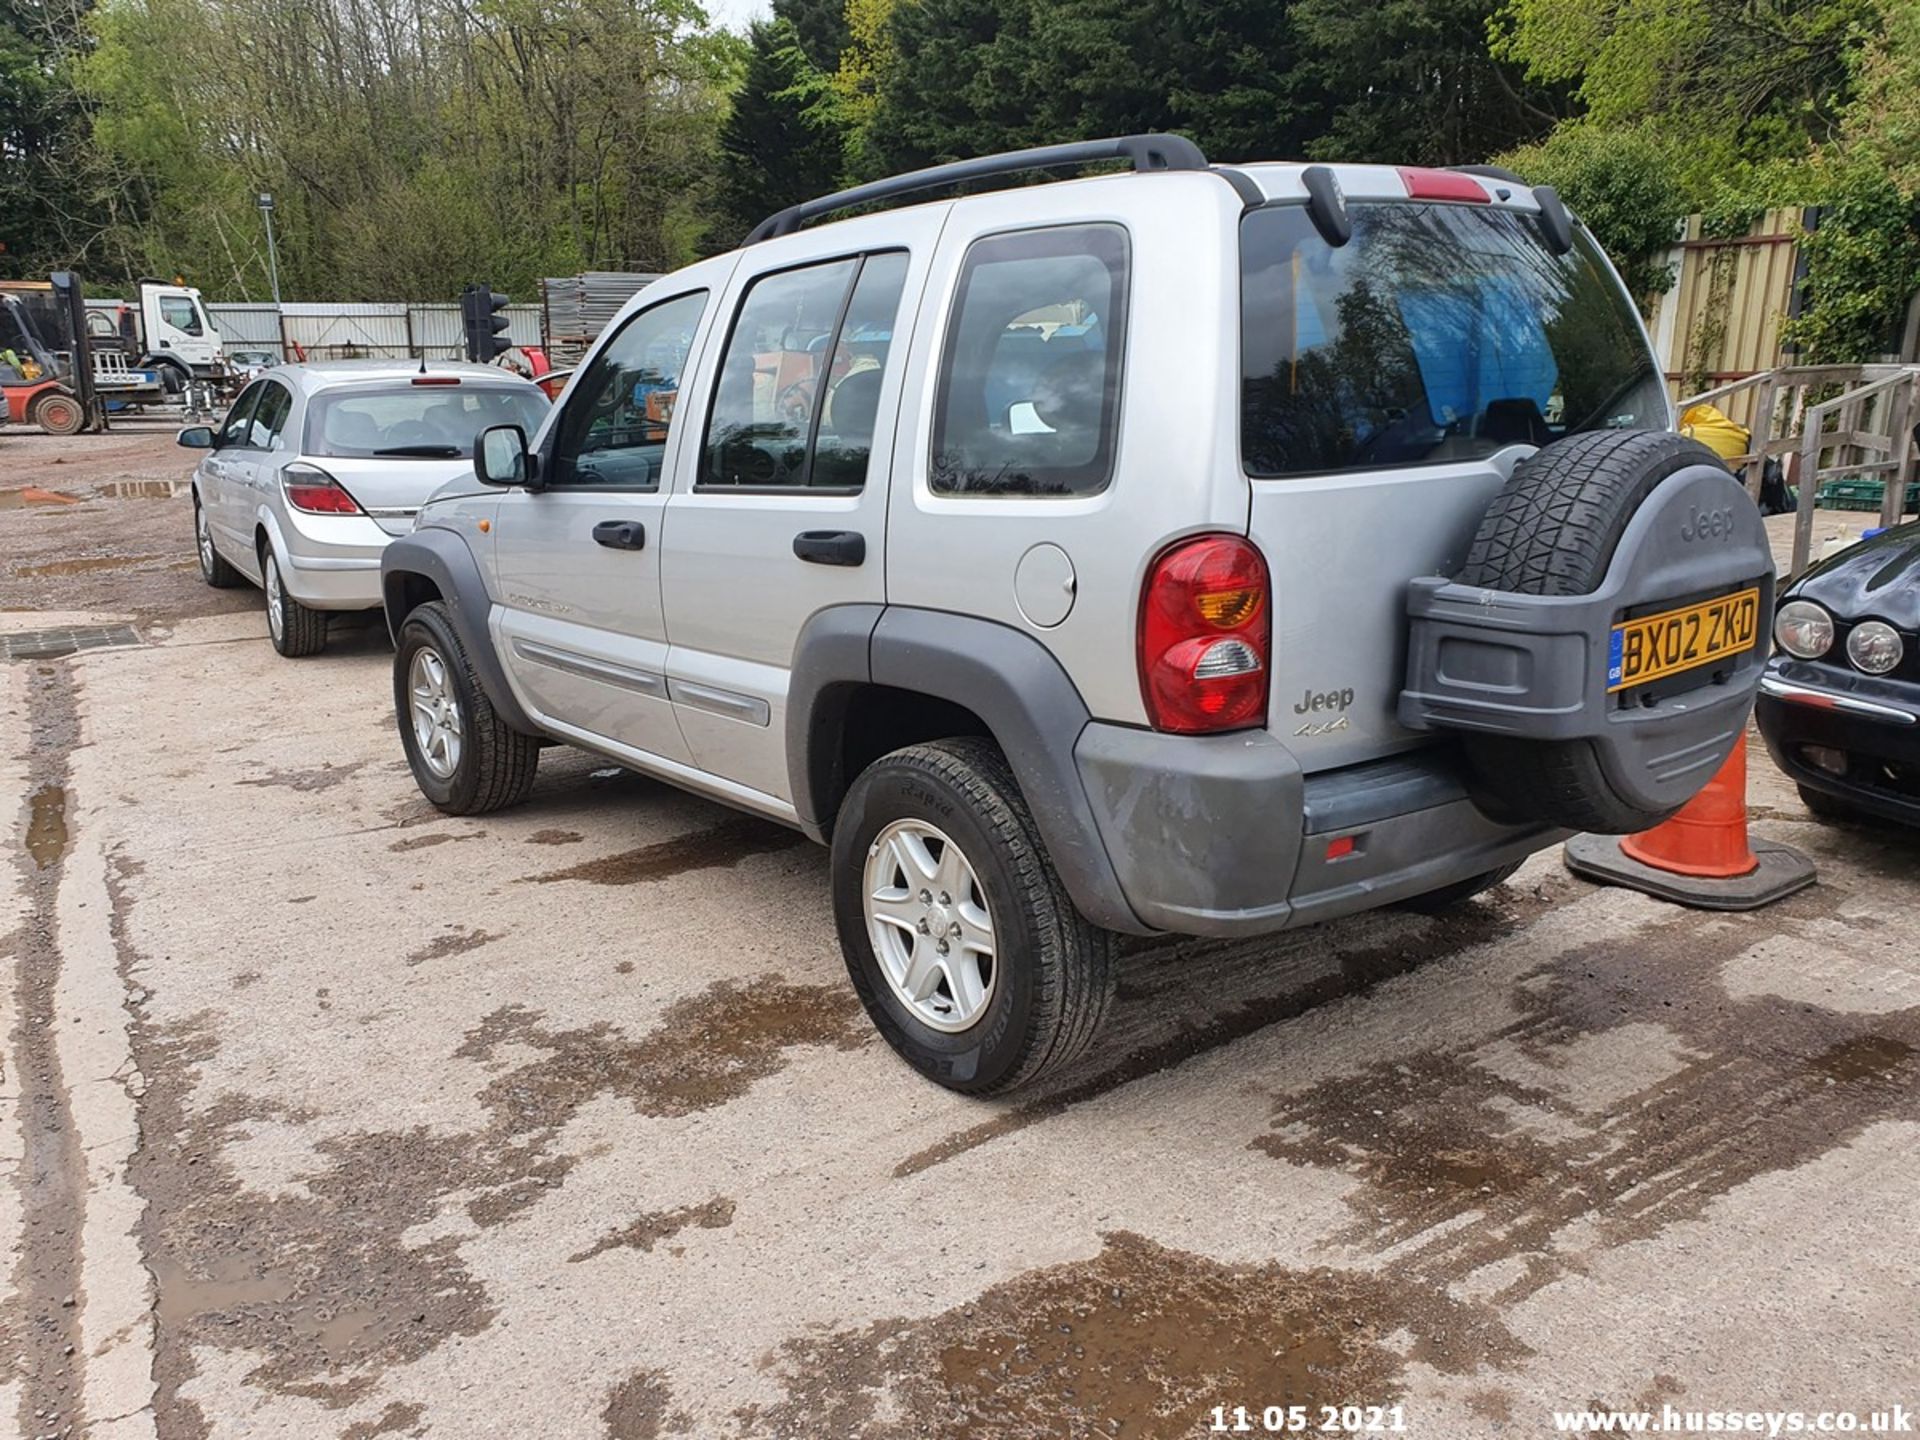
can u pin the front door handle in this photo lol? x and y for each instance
(831, 547)
(620, 534)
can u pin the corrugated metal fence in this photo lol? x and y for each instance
(376, 330)
(1721, 320)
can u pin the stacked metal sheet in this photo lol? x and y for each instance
(579, 307)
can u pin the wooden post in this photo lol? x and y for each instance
(1762, 434)
(1809, 476)
(1893, 503)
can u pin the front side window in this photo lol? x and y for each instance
(1029, 392)
(181, 313)
(798, 396)
(270, 416)
(233, 430)
(613, 432)
(408, 421)
(1437, 333)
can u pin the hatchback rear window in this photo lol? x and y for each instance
(1438, 333)
(417, 422)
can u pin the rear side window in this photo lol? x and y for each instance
(799, 390)
(1029, 392)
(1437, 333)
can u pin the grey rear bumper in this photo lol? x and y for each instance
(1222, 835)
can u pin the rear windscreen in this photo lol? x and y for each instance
(1438, 333)
(420, 422)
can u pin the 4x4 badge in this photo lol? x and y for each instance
(1322, 727)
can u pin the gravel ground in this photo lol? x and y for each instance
(330, 1116)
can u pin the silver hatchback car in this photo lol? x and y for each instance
(317, 467)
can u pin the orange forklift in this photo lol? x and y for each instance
(61, 386)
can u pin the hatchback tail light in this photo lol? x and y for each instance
(1205, 633)
(313, 490)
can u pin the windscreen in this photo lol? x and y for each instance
(422, 422)
(1438, 333)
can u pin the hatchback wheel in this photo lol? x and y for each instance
(295, 629)
(213, 567)
(957, 932)
(464, 758)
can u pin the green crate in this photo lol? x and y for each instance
(1861, 493)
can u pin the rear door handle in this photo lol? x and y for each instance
(620, 534)
(831, 547)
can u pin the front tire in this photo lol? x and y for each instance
(58, 414)
(1828, 808)
(294, 629)
(464, 758)
(957, 933)
(213, 566)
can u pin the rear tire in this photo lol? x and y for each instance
(1051, 974)
(488, 765)
(294, 629)
(1553, 530)
(1447, 896)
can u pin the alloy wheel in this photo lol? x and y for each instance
(931, 928)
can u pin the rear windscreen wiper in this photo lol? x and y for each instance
(438, 452)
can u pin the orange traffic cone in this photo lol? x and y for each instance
(1703, 856)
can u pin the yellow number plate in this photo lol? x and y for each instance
(1674, 640)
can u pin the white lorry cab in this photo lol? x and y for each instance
(166, 329)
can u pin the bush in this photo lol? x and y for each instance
(1863, 265)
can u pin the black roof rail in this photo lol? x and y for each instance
(1147, 152)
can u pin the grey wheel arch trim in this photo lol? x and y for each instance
(1010, 680)
(441, 556)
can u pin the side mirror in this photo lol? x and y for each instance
(500, 457)
(195, 437)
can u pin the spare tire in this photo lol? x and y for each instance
(1553, 530)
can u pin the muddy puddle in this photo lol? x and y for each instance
(47, 826)
(88, 565)
(650, 1229)
(1141, 1340)
(1510, 1134)
(703, 1051)
(143, 489)
(725, 845)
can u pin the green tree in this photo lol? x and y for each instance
(968, 77)
(1620, 183)
(1413, 82)
(784, 140)
(1737, 79)
(48, 211)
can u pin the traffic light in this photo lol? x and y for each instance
(483, 313)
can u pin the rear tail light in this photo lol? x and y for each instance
(313, 490)
(1205, 632)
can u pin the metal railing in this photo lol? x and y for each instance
(1866, 428)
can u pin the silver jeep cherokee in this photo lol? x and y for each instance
(1190, 549)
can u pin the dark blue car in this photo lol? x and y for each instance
(1840, 700)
